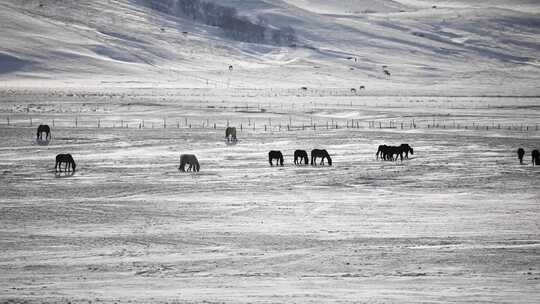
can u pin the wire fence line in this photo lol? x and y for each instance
(266, 124)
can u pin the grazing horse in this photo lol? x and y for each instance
(230, 67)
(393, 150)
(66, 159)
(520, 153)
(386, 72)
(230, 134)
(40, 130)
(382, 151)
(277, 155)
(353, 91)
(322, 154)
(535, 157)
(299, 156)
(191, 160)
(405, 148)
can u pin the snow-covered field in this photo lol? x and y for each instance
(128, 85)
(457, 222)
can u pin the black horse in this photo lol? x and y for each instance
(40, 130)
(535, 157)
(406, 149)
(381, 151)
(520, 153)
(322, 154)
(66, 159)
(300, 156)
(277, 155)
(393, 150)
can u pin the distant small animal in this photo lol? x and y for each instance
(535, 154)
(386, 72)
(230, 67)
(185, 33)
(43, 129)
(191, 160)
(66, 159)
(362, 87)
(230, 134)
(300, 156)
(520, 153)
(353, 90)
(303, 88)
(322, 154)
(405, 148)
(277, 155)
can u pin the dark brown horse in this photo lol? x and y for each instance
(66, 159)
(43, 129)
(300, 156)
(277, 155)
(520, 153)
(322, 154)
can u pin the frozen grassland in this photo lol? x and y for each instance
(458, 222)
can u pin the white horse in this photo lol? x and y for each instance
(191, 160)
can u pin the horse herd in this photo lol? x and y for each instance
(384, 152)
(388, 152)
(301, 156)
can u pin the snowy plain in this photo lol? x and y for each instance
(126, 92)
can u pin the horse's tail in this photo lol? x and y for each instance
(306, 158)
(270, 158)
(281, 159)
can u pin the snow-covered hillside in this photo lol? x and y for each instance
(449, 47)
